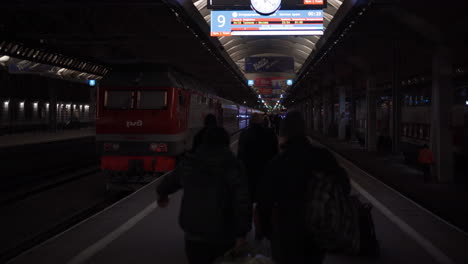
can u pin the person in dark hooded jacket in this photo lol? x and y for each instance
(282, 192)
(257, 146)
(209, 122)
(214, 212)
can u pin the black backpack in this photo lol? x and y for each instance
(330, 216)
(337, 221)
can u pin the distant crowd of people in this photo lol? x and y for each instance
(264, 184)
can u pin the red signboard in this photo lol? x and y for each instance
(274, 83)
(265, 91)
(313, 2)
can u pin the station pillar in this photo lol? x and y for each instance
(327, 111)
(92, 103)
(395, 123)
(371, 135)
(352, 115)
(52, 118)
(317, 112)
(342, 119)
(309, 115)
(442, 101)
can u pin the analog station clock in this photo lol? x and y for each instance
(265, 7)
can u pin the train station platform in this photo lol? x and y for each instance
(45, 137)
(135, 230)
(447, 200)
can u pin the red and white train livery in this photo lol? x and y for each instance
(147, 116)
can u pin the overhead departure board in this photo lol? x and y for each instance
(246, 4)
(283, 22)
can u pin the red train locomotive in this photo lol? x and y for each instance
(147, 116)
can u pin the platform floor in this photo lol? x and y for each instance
(447, 200)
(135, 230)
(44, 137)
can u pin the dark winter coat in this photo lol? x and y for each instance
(281, 199)
(215, 203)
(198, 138)
(257, 146)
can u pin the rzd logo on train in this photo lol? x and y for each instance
(137, 123)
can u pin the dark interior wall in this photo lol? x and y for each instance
(35, 87)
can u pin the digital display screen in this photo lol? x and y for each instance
(285, 4)
(281, 23)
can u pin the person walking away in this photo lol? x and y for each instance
(209, 122)
(214, 213)
(277, 120)
(266, 121)
(282, 193)
(257, 146)
(425, 160)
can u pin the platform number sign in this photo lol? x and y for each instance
(282, 22)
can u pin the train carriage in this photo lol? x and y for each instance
(147, 116)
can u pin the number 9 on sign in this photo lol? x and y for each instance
(221, 21)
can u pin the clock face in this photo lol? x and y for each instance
(265, 7)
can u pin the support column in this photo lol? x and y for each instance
(92, 103)
(317, 112)
(395, 123)
(371, 135)
(325, 112)
(442, 100)
(342, 120)
(352, 115)
(309, 114)
(331, 129)
(52, 107)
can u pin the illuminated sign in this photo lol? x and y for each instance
(273, 83)
(251, 82)
(314, 2)
(246, 5)
(283, 22)
(265, 91)
(269, 64)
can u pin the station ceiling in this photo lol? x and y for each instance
(175, 32)
(110, 32)
(298, 47)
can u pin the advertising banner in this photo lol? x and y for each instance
(273, 83)
(269, 64)
(265, 91)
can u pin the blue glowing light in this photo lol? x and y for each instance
(289, 82)
(251, 82)
(92, 82)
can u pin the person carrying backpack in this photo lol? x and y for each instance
(282, 193)
(215, 210)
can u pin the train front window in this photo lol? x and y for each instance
(152, 100)
(118, 100)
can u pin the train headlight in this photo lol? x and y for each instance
(158, 147)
